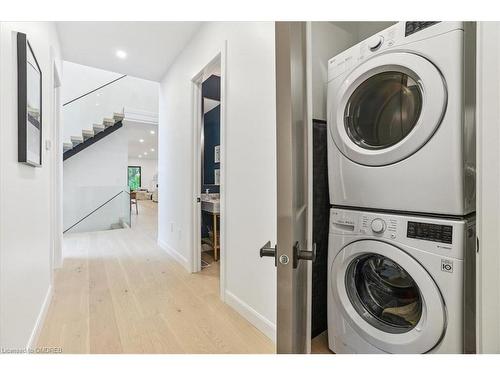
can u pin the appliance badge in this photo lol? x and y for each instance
(447, 265)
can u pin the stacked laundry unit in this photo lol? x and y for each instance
(401, 161)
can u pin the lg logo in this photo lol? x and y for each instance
(446, 265)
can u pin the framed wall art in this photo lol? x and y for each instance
(29, 104)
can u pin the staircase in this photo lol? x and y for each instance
(89, 137)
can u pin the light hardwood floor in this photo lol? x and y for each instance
(118, 292)
(319, 344)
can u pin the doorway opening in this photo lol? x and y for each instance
(208, 228)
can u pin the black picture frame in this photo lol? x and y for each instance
(29, 104)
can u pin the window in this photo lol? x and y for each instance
(383, 293)
(134, 177)
(383, 110)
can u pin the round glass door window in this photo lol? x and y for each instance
(383, 293)
(383, 110)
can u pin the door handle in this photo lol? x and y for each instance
(299, 254)
(268, 251)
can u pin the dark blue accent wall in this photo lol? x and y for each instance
(210, 88)
(211, 131)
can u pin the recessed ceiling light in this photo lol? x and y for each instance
(152, 131)
(121, 54)
(141, 140)
(145, 153)
(152, 150)
(140, 156)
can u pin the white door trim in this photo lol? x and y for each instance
(56, 169)
(310, 213)
(488, 186)
(218, 59)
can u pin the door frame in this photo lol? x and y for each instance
(310, 212)
(219, 59)
(56, 171)
(488, 185)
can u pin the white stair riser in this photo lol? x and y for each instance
(107, 122)
(87, 134)
(98, 128)
(76, 140)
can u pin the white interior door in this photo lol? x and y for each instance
(292, 184)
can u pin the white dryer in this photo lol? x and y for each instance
(401, 119)
(400, 284)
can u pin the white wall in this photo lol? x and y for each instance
(93, 176)
(25, 193)
(250, 147)
(80, 79)
(149, 171)
(327, 40)
(134, 94)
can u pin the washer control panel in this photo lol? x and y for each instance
(430, 232)
(436, 235)
(379, 226)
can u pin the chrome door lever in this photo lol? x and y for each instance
(299, 254)
(268, 251)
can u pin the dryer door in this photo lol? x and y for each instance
(387, 108)
(388, 298)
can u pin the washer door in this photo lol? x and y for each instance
(387, 108)
(388, 298)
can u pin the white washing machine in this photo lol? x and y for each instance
(400, 284)
(401, 119)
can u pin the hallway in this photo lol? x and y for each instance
(118, 292)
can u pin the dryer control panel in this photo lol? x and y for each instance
(398, 36)
(412, 27)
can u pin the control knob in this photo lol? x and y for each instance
(378, 225)
(375, 42)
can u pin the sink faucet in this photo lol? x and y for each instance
(207, 191)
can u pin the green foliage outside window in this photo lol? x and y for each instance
(134, 178)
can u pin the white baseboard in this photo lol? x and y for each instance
(259, 321)
(175, 254)
(35, 334)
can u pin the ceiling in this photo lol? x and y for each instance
(150, 46)
(135, 132)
